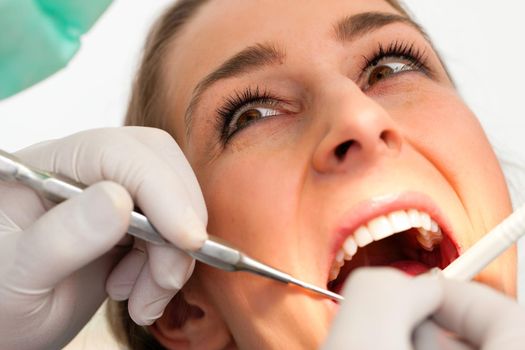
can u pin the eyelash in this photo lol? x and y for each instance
(242, 99)
(401, 50)
(252, 97)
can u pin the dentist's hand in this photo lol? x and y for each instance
(478, 316)
(56, 263)
(385, 309)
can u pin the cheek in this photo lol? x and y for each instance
(252, 205)
(437, 123)
(446, 132)
(262, 314)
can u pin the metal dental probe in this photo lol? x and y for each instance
(214, 251)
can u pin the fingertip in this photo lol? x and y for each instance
(419, 296)
(148, 300)
(124, 276)
(380, 272)
(170, 267)
(139, 317)
(372, 276)
(107, 207)
(149, 322)
(191, 232)
(146, 313)
(118, 199)
(432, 282)
(119, 292)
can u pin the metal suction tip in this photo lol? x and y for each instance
(316, 289)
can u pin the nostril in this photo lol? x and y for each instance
(390, 139)
(340, 151)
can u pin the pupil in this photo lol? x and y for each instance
(379, 73)
(248, 117)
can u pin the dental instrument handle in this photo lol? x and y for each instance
(488, 248)
(57, 188)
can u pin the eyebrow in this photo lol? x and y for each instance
(251, 58)
(351, 27)
(266, 54)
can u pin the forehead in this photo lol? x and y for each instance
(222, 28)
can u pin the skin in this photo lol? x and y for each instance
(277, 190)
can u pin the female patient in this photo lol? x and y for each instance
(325, 135)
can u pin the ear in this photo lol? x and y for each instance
(190, 321)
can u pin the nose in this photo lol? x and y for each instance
(359, 131)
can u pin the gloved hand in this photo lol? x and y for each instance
(385, 309)
(481, 317)
(56, 262)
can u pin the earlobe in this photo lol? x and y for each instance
(191, 322)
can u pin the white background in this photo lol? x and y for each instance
(481, 41)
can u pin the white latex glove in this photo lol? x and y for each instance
(57, 262)
(480, 316)
(385, 309)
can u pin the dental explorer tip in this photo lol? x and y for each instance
(316, 289)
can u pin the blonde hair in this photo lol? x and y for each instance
(147, 107)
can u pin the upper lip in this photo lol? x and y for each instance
(365, 211)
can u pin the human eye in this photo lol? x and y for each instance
(244, 109)
(392, 60)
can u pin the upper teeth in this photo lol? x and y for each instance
(384, 226)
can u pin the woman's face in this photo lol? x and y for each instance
(305, 120)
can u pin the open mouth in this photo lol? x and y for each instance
(409, 240)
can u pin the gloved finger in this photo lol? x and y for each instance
(115, 154)
(148, 300)
(7, 225)
(71, 235)
(123, 277)
(168, 150)
(170, 267)
(20, 206)
(383, 301)
(430, 336)
(481, 315)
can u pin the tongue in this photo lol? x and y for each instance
(410, 267)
